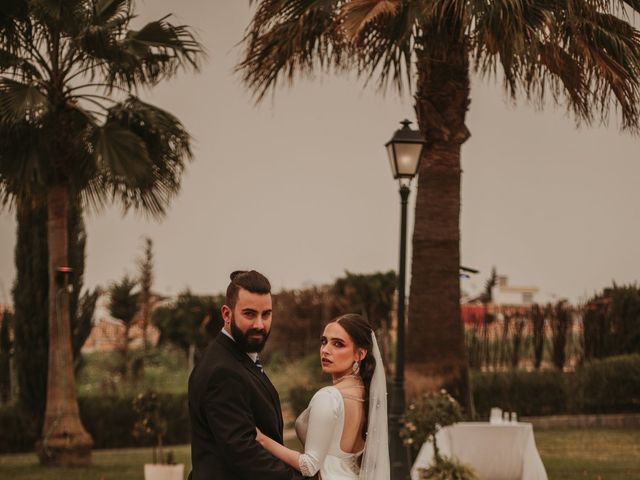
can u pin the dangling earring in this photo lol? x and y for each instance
(355, 368)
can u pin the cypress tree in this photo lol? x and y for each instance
(30, 298)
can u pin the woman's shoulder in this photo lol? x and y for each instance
(328, 397)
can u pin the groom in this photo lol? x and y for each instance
(229, 394)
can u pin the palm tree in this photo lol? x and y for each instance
(582, 54)
(72, 126)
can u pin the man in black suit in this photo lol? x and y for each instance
(229, 394)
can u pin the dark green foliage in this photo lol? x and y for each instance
(300, 396)
(447, 469)
(537, 320)
(109, 420)
(6, 345)
(189, 320)
(424, 417)
(371, 295)
(527, 393)
(102, 416)
(612, 323)
(123, 305)
(30, 298)
(560, 326)
(609, 385)
(19, 429)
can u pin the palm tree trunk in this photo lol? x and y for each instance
(436, 355)
(64, 440)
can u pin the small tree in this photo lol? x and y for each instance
(151, 424)
(186, 321)
(561, 328)
(425, 417)
(124, 306)
(145, 272)
(537, 319)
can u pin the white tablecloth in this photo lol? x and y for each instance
(495, 451)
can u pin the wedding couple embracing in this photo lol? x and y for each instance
(236, 419)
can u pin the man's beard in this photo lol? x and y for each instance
(245, 343)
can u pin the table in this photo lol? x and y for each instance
(505, 451)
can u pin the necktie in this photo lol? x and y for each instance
(258, 364)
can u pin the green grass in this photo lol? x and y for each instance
(593, 454)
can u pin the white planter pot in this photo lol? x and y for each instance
(157, 471)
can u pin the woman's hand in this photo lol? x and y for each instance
(260, 437)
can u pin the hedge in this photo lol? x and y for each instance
(611, 385)
(109, 420)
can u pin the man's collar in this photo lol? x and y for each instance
(252, 355)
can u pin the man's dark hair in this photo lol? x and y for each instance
(251, 281)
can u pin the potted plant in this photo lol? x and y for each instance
(151, 424)
(422, 420)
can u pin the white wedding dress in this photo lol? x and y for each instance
(319, 428)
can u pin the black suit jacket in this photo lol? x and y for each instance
(228, 398)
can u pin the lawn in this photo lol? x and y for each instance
(593, 454)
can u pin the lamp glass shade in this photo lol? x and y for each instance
(404, 158)
(392, 159)
(407, 159)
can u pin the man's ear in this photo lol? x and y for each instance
(226, 314)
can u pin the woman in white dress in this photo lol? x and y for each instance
(344, 429)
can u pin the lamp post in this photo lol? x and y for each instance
(404, 150)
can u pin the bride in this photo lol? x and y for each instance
(344, 429)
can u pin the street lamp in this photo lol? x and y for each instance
(404, 150)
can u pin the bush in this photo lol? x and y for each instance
(611, 385)
(109, 420)
(447, 469)
(527, 393)
(19, 429)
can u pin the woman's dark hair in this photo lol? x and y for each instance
(360, 332)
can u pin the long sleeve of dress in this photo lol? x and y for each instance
(323, 417)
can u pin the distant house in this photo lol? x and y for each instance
(505, 294)
(108, 333)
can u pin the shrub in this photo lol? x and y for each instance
(424, 417)
(19, 429)
(527, 393)
(111, 420)
(611, 385)
(447, 469)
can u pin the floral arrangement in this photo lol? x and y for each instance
(422, 420)
(151, 424)
(425, 416)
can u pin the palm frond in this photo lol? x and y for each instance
(287, 38)
(18, 65)
(12, 14)
(153, 53)
(24, 169)
(152, 179)
(20, 101)
(112, 12)
(358, 14)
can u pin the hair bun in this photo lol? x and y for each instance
(235, 274)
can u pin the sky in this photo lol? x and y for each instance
(299, 186)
